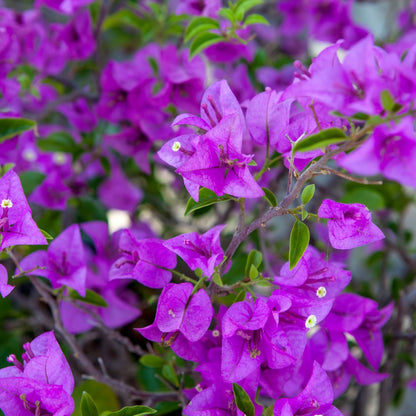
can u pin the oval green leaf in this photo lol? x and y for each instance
(387, 100)
(10, 127)
(320, 140)
(202, 42)
(206, 198)
(307, 193)
(255, 19)
(299, 240)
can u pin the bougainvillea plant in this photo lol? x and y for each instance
(207, 208)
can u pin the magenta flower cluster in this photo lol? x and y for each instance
(121, 132)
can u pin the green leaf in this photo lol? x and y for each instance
(270, 197)
(202, 42)
(216, 278)
(299, 240)
(242, 400)
(360, 116)
(88, 407)
(255, 19)
(123, 18)
(253, 272)
(90, 297)
(200, 24)
(206, 198)
(154, 361)
(320, 140)
(243, 6)
(308, 193)
(263, 282)
(10, 127)
(58, 142)
(104, 397)
(304, 214)
(46, 234)
(387, 100)
(227, 14)
(133, 411)
(254, 258)
(169, 373)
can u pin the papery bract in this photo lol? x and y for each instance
(43, 384)
(199, 251)
(64, 263)
(349, 225)
(145, 260)
(16, 224)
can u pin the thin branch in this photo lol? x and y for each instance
(363, 181)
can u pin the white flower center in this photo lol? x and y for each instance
(29, 155)
(59, 158)
(171, 313)
(6, 203)
(321, 292)
(215, 333)
(176, 146)
(310, 321)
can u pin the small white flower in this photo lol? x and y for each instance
(59, 158)
(29, 155)
(176, 146)
(310, 321)
(6, 203)
(321, 292)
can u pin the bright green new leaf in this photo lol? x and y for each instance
(308, 193)
(206, 198)
(320, 140)
(10, 127)
(242, 400)
(254, 258)
(216, 278)
(253, 272)
(202, 42)
(227, 14)
(243, 6)
(299, 240)
(255, 19)
(387, 100)
(200, 24)
(46, 234)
